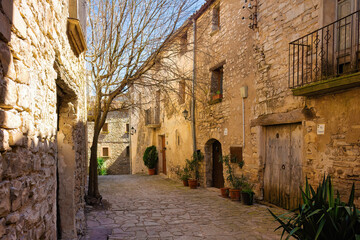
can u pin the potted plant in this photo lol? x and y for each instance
(235, 182)
(247, 194)
(216, 95)
(224, 192)
(193, 166)
(184, 175)
(150, 159)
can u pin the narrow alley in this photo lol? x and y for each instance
(152, 207)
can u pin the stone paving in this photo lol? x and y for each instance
(152, 207)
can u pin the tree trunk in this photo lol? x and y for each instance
(93, 196)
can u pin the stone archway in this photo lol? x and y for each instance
(214, 176)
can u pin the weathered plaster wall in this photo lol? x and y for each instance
(173, 127)
(116, 139)
(32, 41)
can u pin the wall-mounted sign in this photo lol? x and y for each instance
(225, 132)
(321, 129)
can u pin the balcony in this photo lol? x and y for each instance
(152, 117)
(327, 59)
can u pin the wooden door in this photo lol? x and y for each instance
(283, 169)
(217, 173)
(163, 153)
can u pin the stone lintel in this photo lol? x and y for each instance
(76, 36)
(328, 86)
(294, 116)
(153, 125)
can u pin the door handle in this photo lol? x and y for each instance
(283, 166)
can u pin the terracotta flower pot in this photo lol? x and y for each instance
(247, 198)
(186, 183)
(192, 183)
(152, 171)
(235, 194)
(217, 96)
(225, 192)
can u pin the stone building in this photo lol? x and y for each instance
(42, 119)
(157, 115)
(278, 90)
(113, 144)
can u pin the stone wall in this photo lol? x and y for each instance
(117, 139)
(38, 67)
(230, 46)
(337, 151)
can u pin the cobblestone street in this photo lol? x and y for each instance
(151, 207)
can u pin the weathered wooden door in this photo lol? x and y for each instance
(283, 165)
(217, 173)
(163, 152)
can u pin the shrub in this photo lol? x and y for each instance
(183, 173)
(235, 182)
(101, 166)
(150, 157)
(193, 164)
(322, 216)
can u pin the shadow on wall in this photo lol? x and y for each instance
(7, 87)
(121, 165)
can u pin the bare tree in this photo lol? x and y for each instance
(126, 39)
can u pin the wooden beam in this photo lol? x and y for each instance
(294, 116)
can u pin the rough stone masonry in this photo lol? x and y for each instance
(42, 122)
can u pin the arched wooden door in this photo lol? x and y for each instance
(217, 173)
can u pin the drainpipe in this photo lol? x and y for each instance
(244, 94)
(193, 88)
(243, 120)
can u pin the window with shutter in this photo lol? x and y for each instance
(181, 91)
(105, 152)
(217, 76)
(216, 18)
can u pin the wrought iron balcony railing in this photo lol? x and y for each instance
(326, 53)
(152, 116)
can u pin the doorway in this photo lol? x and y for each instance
(163, 154)
(283, 165)
(217, 173)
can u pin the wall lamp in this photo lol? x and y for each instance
(186, 115)
(252, 8)
(132, 131)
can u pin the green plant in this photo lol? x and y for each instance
(247, 187)
(235, 182)
(101, 166)
(194, 163)
(150, 157)
(322, 215)
(183, 174)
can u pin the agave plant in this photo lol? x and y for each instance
(322, 216)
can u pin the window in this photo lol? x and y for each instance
(183, 44)
(127, 151)
(217, 83)
(105, 152)
(236, 154)
(182, 91)
(105, 128)
(216, 18)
